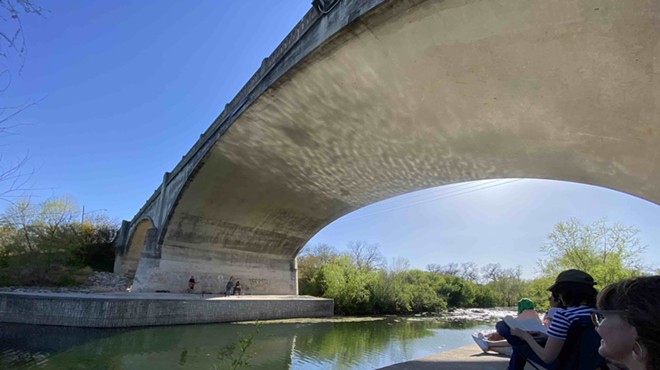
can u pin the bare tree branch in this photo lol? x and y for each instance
(13, 179)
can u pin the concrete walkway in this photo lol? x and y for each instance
(469, 357)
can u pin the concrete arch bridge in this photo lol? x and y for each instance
(368, 99)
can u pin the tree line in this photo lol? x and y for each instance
(361, 281)
(50, 244)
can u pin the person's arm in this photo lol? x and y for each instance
(547, 354)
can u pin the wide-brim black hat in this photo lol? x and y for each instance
(573, 276)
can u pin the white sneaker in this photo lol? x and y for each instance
(481, 342)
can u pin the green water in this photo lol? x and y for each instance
(329, 345)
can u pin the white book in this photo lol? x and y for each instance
(529, 325)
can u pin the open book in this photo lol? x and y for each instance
(529, 325)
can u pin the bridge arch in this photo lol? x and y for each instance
(414, 95)
(127, 262)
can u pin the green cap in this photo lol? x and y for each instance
(525, 304)
(573, 276)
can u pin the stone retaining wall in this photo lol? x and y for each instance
(115, 311)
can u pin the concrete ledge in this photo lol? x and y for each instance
(469, 357)
(119, 310)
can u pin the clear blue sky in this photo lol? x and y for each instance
(126, 87)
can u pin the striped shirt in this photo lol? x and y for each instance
(563, 319)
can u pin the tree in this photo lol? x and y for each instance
(469, 271)
(398, 265)
(13, 50)
(37, 239)
(609, 252)
(19, 232)
(456, 291)
(448, 269)
(38, 228)
(324, 253)
(365, 256)
(492, 272)
(509, 286)
(485, 297)
(537, 291)
(12, 37)
(347, 285)
(310, 261)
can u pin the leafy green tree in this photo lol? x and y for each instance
(456, 291)
(609, 252)
(310, 261)
(360, 286)
(508, 286)
(537, 291)
(485, 297)
(347, 285)
(423, 287)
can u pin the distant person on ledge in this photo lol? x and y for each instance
(191, 284)
(229, 287)
(237, 288)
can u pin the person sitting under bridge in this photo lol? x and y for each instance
(572, 342)
(494, 341)
(237, 288)
(229, 287)
(191, 284)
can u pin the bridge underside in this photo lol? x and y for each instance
(415, 95)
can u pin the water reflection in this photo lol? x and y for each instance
(277, 346)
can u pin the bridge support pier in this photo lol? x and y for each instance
(147, 269)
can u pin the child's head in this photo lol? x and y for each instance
(525, 304)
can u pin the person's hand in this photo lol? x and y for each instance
(538, 335)
(520, 333)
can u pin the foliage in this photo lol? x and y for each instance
(361, 283)
(360, 286)
(42, 239)
(456, 291)
(485, 297)
(346, 284)
(508, 285)
(537, 291)
(408, 291)
(310, 261)
(609, 252)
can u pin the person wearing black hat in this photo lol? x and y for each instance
(576, 290)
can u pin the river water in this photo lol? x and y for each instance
(300, 345)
